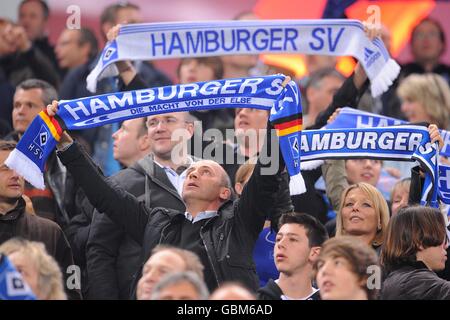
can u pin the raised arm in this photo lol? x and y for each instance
(103, 193)
(351, 90)
(260, 196)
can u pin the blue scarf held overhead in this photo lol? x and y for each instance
(402, 143)
(354, 118)
(267, 93)
(334, 37)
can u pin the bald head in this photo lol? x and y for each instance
(232, 291)
(206, 187)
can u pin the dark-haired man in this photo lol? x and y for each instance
(74, 48)
(16, 222)
(297, 246)
(57, 201)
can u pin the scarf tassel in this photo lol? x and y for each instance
(26, 167)
(384, 79)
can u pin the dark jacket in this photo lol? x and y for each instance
(6, 104)
(413, 67)
(414, 281)
(228, 238)
(415, 194)
(284, 203)
(271, 291)
(61, 185)
(33, 63)
(17, 223)
(113, 256)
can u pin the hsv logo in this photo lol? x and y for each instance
(295, 149)
(110, 52)
(43, 138)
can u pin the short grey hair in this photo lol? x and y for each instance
(179, 277)
(48, 91)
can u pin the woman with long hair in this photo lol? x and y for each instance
(363, 214)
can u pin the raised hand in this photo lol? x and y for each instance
(372, 31)
(66, 139)
(334, 115)
(113, 32)
(435, 136)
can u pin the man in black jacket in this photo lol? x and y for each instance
(113, 257)
(16, 222)
(298, 243)
(57, 201)
(220, 231)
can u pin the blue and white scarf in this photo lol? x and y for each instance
(353, 118)
(402, 143)
(151, 41)
(267, 93)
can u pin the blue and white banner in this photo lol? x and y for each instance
(444, 183)
(335, 37)
(354, 118)
(403, 143)
(12, 285)
(275, 93)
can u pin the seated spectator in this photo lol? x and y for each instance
(415, 247)
(232, 291)
(363, 215)
(342, 270)
(39, 270)
(180, 286)
(165, 260)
